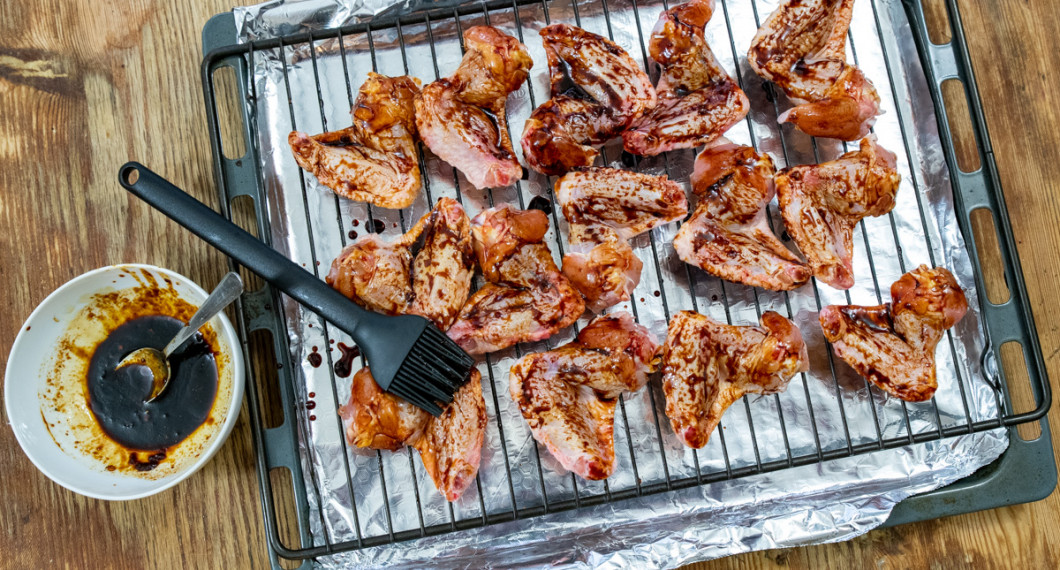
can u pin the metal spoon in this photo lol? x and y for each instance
(158, 360)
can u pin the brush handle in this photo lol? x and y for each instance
(272, 266)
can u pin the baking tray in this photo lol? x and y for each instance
(1025, 472)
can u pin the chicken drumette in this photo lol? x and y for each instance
(526, 298)
(426, 272)
(698, 101)
(462, 118)
(598, 90)
(801, 47)
(821, 204)
(374, 160)
(568, 395)
(893, 345)
(607, 207)
(706, 366)
(728, 235)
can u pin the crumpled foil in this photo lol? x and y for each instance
(355, 494)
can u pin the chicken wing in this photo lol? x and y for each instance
(568, 395)
(728, 235)
(698, 101)
(607, 207)
(450, 445)
(802, 48)
(706, 366)
(426, 272)
(598, 90)
(462, 118)
(526, 298)
(893, 345)
(821, 204)
(374, 160)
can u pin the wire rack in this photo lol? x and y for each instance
(826, 414)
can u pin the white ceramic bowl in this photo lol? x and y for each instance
(34, 354)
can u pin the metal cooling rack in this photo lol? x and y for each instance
(278, 447)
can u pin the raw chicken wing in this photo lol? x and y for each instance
(607, 207)
(706, 366)
(598, 90)
(802, 48)
(821, 204)
(426, 272)
(698, 101)
(728, 235)
(374, 160)
(568, 395)
(893, 345)
(526, 298)
(462, 118)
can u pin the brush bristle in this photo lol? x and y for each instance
(433, 371)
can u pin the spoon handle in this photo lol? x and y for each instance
(226, 291)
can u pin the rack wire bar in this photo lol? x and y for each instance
(832, 415)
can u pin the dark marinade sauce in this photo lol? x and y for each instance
(116, 397)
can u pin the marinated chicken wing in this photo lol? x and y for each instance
(728, 235)
(526, 298)
(802, 48)
(426, 272)
(607, 207)
(706, 366)
(451, 444)
(462, 118)
(598, 90)
(374, 160)
(821, 204)
(568, 395)
(893, 345)
(698, 101)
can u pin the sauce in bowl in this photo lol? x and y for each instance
(96, 411)
(116, 396)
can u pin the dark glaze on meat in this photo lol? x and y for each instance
(728, 235)
(893, 345)
(698, 101)
(597, 89)
(375, 160)
(707, 365)
(462, 118)
(802, 48)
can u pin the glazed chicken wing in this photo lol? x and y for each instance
(802, 48)
(462, 118)
(728, 235)
(598, 90)
(426, 272)
(374, 160)
(526, 298)
(568, 395)
(706, 366)
(893, 345)
(821, 204)
(607, 207)
(698, 101)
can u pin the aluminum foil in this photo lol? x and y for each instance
(357, 495)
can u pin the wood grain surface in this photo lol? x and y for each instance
(85, 86)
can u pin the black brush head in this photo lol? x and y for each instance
(413, 360)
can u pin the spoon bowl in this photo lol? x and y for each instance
(157, 361)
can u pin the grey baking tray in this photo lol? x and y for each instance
(1025, 472)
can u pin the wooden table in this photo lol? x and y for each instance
(85, 86)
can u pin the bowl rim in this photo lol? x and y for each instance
(228, 331)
